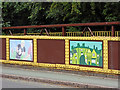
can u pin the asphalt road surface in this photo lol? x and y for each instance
(12, 83)
(60, 76)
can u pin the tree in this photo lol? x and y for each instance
(38, 13)
(111, 11)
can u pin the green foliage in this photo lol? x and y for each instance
(61, 12)
(38, 13)
(112, 11)
(74, 29)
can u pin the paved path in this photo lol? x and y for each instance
(60, 76)
(11, 83)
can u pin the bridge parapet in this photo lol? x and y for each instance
(97, 54)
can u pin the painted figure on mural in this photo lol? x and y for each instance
(23, 47)
(18, 51)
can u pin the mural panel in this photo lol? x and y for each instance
(21, 50)
(86, 53)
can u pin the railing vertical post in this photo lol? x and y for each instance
(117, 34)
(113, 31)
(25, 31)
(63, 31)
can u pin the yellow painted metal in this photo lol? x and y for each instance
(102, 33)
(105, 54)
(46, 65)
(72, 67)
(118, 38)
(60, 65)
(86, 34)
(7, 49)
(35, 50)
(97, 33)
(2, 61)
(66, 65)
(67, 52)
(21, 62)
(117, 33)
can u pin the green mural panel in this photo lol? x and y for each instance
(86, 53)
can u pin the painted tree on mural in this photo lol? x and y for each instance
(82, 60)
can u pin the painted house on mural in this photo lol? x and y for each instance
(85, 56)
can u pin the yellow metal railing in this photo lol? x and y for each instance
(86, 34)
(55, 33)
(117, 33)
(102, 33)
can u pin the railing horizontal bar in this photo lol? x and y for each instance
(65, 25)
